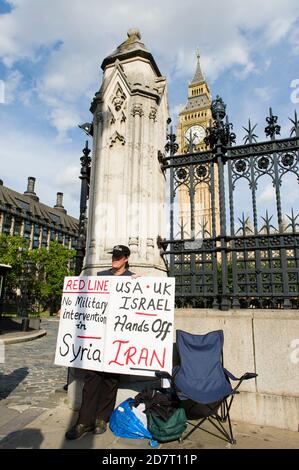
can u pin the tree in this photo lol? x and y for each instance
(39, 272)
(51, 267)
(13, 251)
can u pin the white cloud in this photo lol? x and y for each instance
(289, 192)
(268, 194)
(293, 196)
(51, 165)
(85, 32)
(12, 84)
(264, 93)
(245, 71)
(294, 40)
(278, 28)
(66, 41)
(268, 63)
(15, 89)
(175, 110)
(2, 92)
(69, 175)
(64, 119)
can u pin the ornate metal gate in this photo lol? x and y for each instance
(238, 266)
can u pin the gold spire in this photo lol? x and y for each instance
(198, 77)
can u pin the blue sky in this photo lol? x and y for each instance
(50, 57)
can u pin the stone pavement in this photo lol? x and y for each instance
(13, 337)
(34, 411)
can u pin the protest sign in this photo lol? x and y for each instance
(83, 317)
(117, 324)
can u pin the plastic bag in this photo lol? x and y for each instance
(139, 412)
(124, 423)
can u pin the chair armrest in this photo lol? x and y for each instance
(249, 375)
(246, 376)
(162, 374)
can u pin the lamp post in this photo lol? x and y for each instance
(21, 301)
(25, 278)
(4, 269)
(24, 301)
(84, 195)
(24, 291)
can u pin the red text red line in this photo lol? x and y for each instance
(148, 314)
(84, 292)
(90, 337)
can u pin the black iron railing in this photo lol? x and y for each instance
(248, 262)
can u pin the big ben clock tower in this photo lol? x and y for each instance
(196, 116)
(193, 121)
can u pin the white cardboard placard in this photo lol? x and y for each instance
(117, 324)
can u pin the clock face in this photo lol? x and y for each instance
(195, 134)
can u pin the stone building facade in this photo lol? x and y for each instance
(24, 215)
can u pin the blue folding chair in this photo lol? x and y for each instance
(203, 384)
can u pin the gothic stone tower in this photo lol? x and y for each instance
(127, 193)
(191, 131)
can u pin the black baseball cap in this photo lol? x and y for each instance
(120, 250)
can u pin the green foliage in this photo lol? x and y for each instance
(39, 273)
(51, 268)
(13, 251)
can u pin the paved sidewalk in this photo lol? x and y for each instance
(46, 431)
(13, 337)
(34, 412)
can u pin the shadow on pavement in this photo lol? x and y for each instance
(24, 439)
(10, 381)
(127, 388)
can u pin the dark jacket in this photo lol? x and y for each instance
(108, 272)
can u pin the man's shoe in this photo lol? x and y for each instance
(77, 431)
(100, 426)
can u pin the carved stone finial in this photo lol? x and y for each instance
(137, 109)
(133, 33)
(152, 114)
(118, 99)
(116, 137)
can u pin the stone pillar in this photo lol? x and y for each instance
(40, 236)
(31, 236)
(22, 228)
(1, 221)
(48, 238)
(127, 192)
(12, 226)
